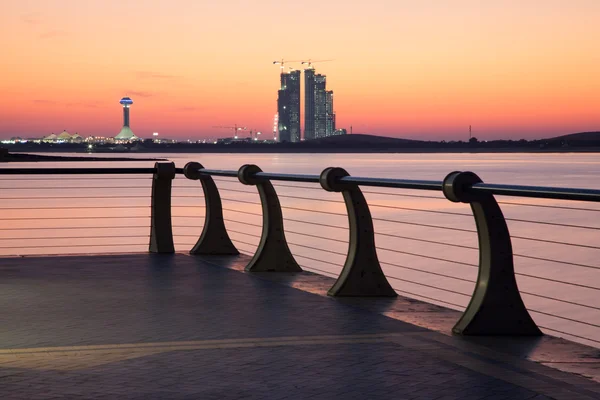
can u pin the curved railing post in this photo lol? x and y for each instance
(496, 307)
(273, 253)
(214, 239)
(161, 230)
(362, 275)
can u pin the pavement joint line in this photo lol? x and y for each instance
(212, 344)
(519, 371)
(511, 362)
(519, 375)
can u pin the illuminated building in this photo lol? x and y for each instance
(126, 133)
(329, 114)
(288, 107)
(63, 137)
(319, 117)
(309, 103)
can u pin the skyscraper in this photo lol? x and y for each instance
(329, 114)
(288, 107)
(309, 103)
(319, 116)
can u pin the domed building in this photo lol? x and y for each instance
(49, 138)
(126, 133)
(62, 137)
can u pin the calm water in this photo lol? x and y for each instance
(58, 215)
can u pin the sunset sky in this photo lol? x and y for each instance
(422, 69)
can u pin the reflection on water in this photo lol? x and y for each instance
(423, 239)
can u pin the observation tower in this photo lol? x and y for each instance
(126, 132)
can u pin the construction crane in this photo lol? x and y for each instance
(282, 62)
(310, 62)
(235, 128)
(254, 134)
(252, 131)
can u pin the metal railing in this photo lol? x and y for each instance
(87, 225)
(494, 308)
(446, 242)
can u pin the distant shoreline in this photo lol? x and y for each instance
(584, 142)
(25, 157)
(18, 156)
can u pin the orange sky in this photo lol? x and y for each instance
(417, 69)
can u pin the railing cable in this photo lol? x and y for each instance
(427, 241)
(246, 243)
(427, 272)
(557, 281)
(378, 205)
(75, 245)
(243, 233)
(241, 201)
(74, 208)
(318, 249)
(68, 218)
(76, 187)
(77, 227)
(554, 224)
(317, 260)
(548, 206)
(315, 211)
(425, 225)
(245, 223)
(421, 210)
(429, 286)
(428, 297)
(149, 178)
(564, 318)
(560, 300)
(287, 219)
(242, 212)
(567, 333)
(238, 191)
(77, 237)
(310, 269)
(556, 261)
(78, 197)
(555, 242)
(428, 257)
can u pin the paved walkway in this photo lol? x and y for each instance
(181, 327)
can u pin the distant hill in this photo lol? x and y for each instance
(360, 140)
(584, 136)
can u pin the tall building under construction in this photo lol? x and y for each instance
(288, 107)
(319, 117)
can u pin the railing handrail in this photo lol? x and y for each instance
(308, 178)
(75, 171)
(545, 192)
(287, 177)
(218, 172)
(393, 183)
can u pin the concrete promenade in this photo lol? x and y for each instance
(143, 326)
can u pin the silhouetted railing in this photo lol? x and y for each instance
(378, 247)
(96, 222)
(495, 307)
